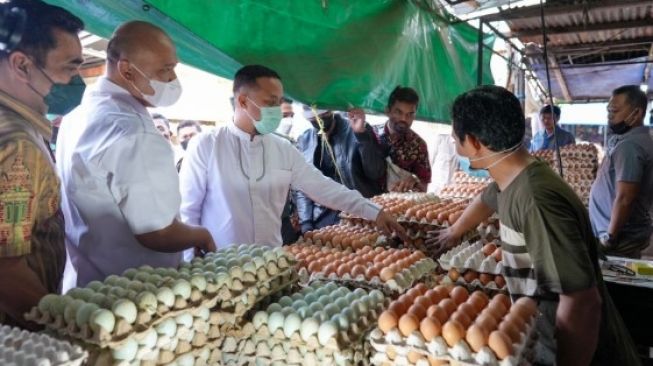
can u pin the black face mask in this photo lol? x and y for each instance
(620, 128)
(184, 144)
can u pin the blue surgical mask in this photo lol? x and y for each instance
(270, 118)
(466, 163)
(466, 166)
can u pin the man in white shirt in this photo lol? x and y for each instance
(235, 180)
(120, 187)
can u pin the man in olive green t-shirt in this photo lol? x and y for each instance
(549, 250)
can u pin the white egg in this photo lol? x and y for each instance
(316, 307)
(292, 323)
(331, 287)
(348, 313)
(102, 319)
(310, 298)
(285, 301)
(310, 327)
(275, 321)
(331, 310)
(274, 307)
(327, 331)
(305, 312)
(359, 292)
(288, 310)
(297, 296)
(325, 300)
(377, 296)
(351, 297)
(341, 303)
(298, 304)
(342, 322)
(126, 351)
(260, 319)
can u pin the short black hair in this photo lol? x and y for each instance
(189, 123)
(634, 96)
(491, 114)
(247, 76)
(403, 94)
(547, 109)
(286, 100)
(160, 116)
(38, 38)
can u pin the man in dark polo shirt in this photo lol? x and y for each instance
(549, 251)
(621, 196)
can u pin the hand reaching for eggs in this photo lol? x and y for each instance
(389, 225)
(440, 241)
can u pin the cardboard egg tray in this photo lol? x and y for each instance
(24, 347)
(380, 241)
(396, 349)
(392, 288)
(467, 253)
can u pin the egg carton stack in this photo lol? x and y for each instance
(427, 216)
(477, 264)
(157, 315)
(23, 348)
(395, 204)
(344, 237)
(489, 229)
(323, 324)
(442, 325)
(580, 163)
(392, 271)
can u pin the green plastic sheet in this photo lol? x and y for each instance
(334, 53)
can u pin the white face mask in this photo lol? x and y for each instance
(165, 94)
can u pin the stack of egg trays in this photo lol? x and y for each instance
(265, 348)
(24, 348)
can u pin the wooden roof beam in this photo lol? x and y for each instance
(561, 78)
(557, 9)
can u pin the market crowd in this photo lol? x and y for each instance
(117, 194)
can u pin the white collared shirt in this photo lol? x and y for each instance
(236, 187)
(118, 180)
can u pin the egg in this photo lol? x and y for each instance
(488, 249)
(528, 303)
(498, 255)
(342, 269)
(437, 312)
(387, 274)
(485, 278)
(470, 276)
(326, 331)
(448, 305)
(430, 327)
(462, 318)
(476, 337)
(423, 301)
(505, 300)
(358, 270)
(521, 310)
(433, 296)
(500, 281)
(442, 291)
(417, 310)
(511, 330)
(486, 321)
(516, 320)
(371, 272)
(397, 307)
(388, 321)
(496, 309)
(454, 275)
(459, 294)
(468, 309)
(413, 293)
(477, 302)
(500, 343)
(408, 323)
(453, 331)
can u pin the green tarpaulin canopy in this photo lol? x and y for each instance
(335, 53)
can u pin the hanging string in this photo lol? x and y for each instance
(325, 143)
(550, 93)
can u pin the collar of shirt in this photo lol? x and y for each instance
(244, 136)
(104, 86)
(616, 139)
(37, 120)
(550, 136)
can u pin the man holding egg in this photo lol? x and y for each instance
(549, 250)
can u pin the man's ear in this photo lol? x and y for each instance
(125, 70)
(18, 63)
(476, 144)
(241, 100)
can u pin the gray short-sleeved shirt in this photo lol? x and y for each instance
(629, 158)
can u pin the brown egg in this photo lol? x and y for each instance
(431, 215)
(433, 296)
(328, 269)
(397, 307)
(500, 343)
(468, 309)
(528, 303)
(437, 362)
(476, 337)
(496, 309)
(522, 310)
(477, 302)
(442, 290)
(342, 269)
(453, 332)
(485, 278)
(387, 321)
(387, 274)
(470, 276)
(505, 300)
(438, 312)
(370, 273)
(408, 323)
(314, 267)
(391, 352)
(357, 270)
(500, 281)
(511, 330)
(459, 294)
(455, 216)
(414, 357)
(488, 249)
(430, 327)
(423, 301)
(417, 310)
(487, 322)
(448, 305)
(462, 318)
(498, 255)
(516, 320)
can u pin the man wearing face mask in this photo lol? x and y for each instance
(346, 151)
(549, 251)
(287, 121)
(121, 189)
(621, 196)
(235, 180)
(32, 250)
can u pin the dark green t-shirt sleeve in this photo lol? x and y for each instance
(490, 196)
(558, 249)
